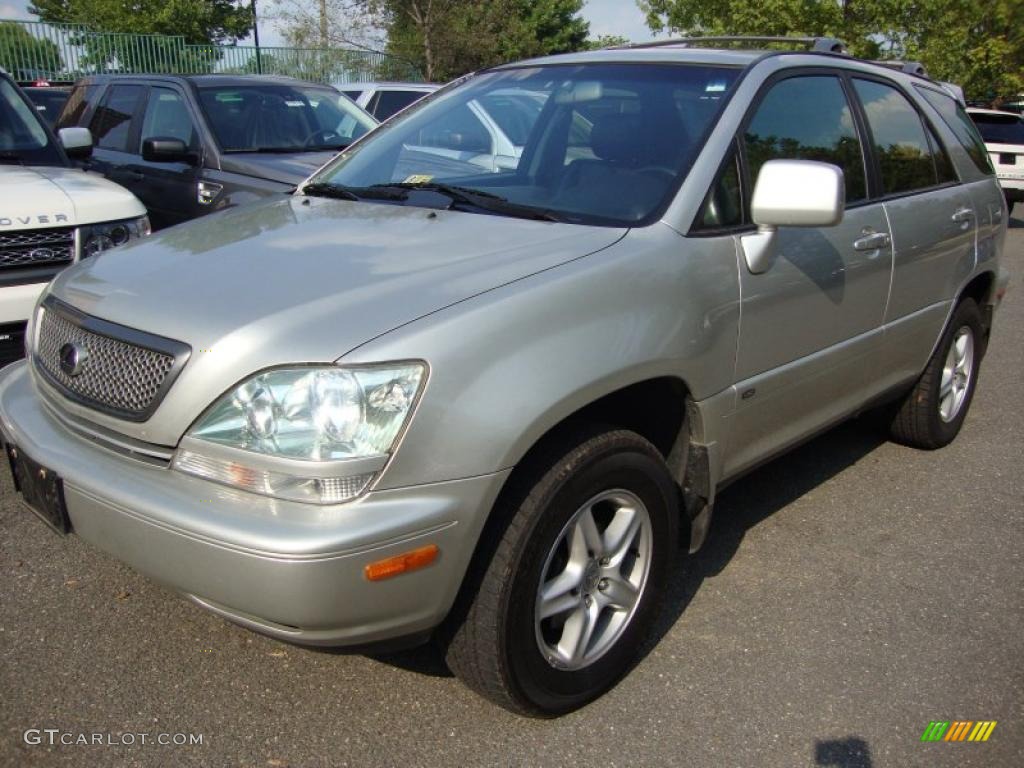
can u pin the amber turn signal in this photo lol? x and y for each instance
(409, 561)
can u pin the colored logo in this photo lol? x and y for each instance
(959, 730)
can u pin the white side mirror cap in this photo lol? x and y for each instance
(798, 193)
(73, 139)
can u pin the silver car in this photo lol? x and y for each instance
(421, 399)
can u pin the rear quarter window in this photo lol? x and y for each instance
(954, 116)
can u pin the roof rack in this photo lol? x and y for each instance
(816, 44)
(906, 67)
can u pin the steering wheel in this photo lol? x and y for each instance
(327, 134)
(658, 170)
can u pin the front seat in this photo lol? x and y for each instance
(621, 145)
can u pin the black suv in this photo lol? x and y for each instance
(189, 145)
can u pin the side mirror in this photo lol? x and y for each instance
(77, 142)
(165, 150)
(791, 193)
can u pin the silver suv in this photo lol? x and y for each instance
(419, 398)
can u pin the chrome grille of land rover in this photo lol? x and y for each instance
(37, 247)
(116, 375)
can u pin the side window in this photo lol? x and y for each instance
(723, 207)
(904, 153)
(807, 118)
(79, 100)
(167, 117)
(111, 124)
(390, 102)
(961, 126)
(943, 165)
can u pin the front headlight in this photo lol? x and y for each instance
(96, 238)
(315, 434)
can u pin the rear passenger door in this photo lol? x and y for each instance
(932, 219)
(811, 324)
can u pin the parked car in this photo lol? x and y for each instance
(419, 397)
(191, 145)
(48, 100)
(382, 100)
(51, 214)
(1003, 133)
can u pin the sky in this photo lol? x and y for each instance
(606, 17)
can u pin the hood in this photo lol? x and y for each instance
(42, 196)
(290, 168)
(302, 280)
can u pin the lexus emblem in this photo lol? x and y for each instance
(72, 358)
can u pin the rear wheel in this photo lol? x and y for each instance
(933, 413)
(566, 600)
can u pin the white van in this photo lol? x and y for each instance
(51, 214)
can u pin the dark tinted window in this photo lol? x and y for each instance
(354, 95)
(943, 165)
(112, 122)
(48, 102)
(74, 110)
(389, 102)
(807, 118)
(723, 207)
(904, 154)
(999, 129)
(167, 117)
(956, 118)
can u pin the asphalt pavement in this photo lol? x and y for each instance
(850, 593)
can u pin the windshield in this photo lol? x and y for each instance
(1000, 129)
(282, 118)
(594, 143)
(23, 139)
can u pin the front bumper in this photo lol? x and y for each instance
(294, 571)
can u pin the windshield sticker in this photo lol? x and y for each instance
(295, 103)
(716, 87)
(418, 178)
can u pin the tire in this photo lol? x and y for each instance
(495, 646)
(931, 415)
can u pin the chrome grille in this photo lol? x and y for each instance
(118, 375)
(37, 247)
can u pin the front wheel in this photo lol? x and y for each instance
(932, 414)
(565, 602)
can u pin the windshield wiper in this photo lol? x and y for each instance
(478, 198)
(341, 192)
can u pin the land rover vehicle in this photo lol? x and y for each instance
(419, 398)
(191, 145)
(1003, 134)
(51, 214)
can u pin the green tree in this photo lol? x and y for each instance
(198, 21)
(25, 56)
(447, 38)
(979, 45)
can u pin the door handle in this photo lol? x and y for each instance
(963, 216)
(872, 242)
(135, 176)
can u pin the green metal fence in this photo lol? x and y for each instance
(32, 50)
